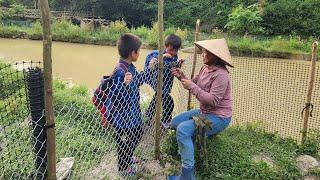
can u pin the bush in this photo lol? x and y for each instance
(153, 36)
(65, 31)
(296, 17)
(170, 30)
(10, 31)
(112, 33)
(35, 32)
(142, 32)
(16, 9)
(182, 33)
(245, 20)
(118, 27)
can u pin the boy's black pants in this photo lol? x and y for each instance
(127, 140)
(167, 108)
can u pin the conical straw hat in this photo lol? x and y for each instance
(217, 47)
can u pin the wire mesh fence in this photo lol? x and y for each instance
(115, 137)
(23, 140)
(271, 92)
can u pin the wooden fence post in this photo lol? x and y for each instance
(47, 62)
(309, 93)
(160, 80)
(195, 54)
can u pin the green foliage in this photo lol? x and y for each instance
(112, 33)
(118, 27)
(78, 135)
(277, 17)
(141, 32)
(35, 32)
(65, 31)
(16, 9)
(279, 46)
(11, 80)
(230, 155)
(245, 20)
(10, 31)
(311, 145)
(296, 17)
(153, 36)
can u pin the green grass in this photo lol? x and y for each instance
(12, 94)
(279, 47)
(230, 155)
(78, 130)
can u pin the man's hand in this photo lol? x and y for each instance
(127, 78)
(187, 83)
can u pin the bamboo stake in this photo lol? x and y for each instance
(160, 81)
(196, 38)
(47, 62)
(309, 93)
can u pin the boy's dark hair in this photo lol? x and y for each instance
(174, 41)
(128, 43)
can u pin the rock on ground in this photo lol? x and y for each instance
(306, 163)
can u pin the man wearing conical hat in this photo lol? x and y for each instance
(212, 88)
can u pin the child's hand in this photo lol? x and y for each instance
(153, 62)
(127, 78)
(187, 83)
(178, 73)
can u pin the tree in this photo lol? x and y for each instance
(245, 20)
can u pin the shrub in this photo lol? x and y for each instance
(35, 32)
(118, 27)
(153, 36)
(142, 32)
(245, 20)
(65, 31)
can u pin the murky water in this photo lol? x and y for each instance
(84, 64)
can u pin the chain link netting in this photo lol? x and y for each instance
(111, 136)
(115, 138)
(23, 139)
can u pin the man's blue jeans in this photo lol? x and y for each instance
(185, 127)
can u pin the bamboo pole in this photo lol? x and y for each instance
(309, 93)
(196, 38)
(47, 62)
(160, 80)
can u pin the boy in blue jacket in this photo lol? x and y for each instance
(170, 60)
(127, 117)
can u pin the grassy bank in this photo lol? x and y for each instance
(278, 47)
(232, 155)
(78, 131)
(79, 135)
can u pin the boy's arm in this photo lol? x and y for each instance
(149, 58)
